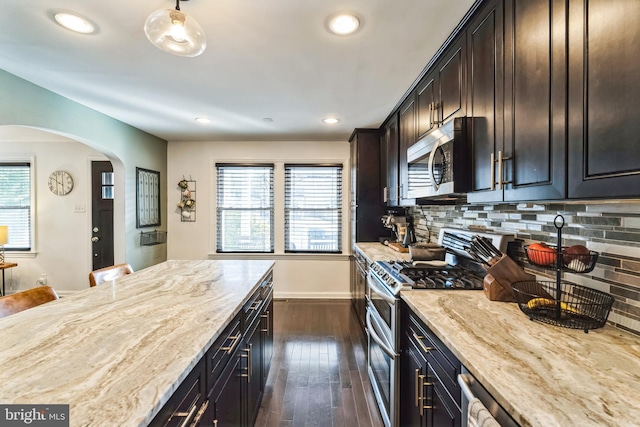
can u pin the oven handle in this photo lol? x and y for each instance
(374, 334)
(375, 286)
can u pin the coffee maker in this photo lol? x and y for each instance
(402, 227)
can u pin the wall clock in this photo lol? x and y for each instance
(60, 183)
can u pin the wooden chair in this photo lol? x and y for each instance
(106, 274)
(24, 300)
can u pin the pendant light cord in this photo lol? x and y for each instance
(177, 4)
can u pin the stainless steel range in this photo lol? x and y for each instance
(387, 279)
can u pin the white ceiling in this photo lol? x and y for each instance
(264, 59)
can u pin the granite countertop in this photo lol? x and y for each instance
(116, 352)
(375, 251)
(543, 375)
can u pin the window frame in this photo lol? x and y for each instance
(31, 162)
(218, 209)
(339, 208)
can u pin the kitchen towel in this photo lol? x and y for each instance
(479, 415)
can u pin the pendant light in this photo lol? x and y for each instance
(175, 32)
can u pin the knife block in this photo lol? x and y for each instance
(500, 276)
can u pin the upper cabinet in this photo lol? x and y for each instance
(551, 92)
(390, 150)
(366, 186)
(408, 137)
(604, 94)
(440, 95)
(517, 98)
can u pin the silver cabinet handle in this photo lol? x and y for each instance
(201, 412)
(493, 171)
(233, 345)
(419, 339)
(266, 316)
(249, 367)
(188, 416)
(502, 181)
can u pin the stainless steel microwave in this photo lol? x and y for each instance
(440, 163)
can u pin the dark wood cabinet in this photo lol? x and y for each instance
(267, 337)
(517, 99)
(407, 136)
(390, 151)
(440, 95)
(252, 353)
(226, 396)
(429, 392)
(366, 186)
(187, 404)
(485, 97)
(604, 94)
(413, 374)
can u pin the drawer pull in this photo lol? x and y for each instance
(249, 367)
(421, 385)
(419, 339)
(188, 416)
(256, 305)
(233, 345)
(266, 317)
(201, 412)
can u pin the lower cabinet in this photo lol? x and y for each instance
(187, 403)
(226, 386)
(429, 392)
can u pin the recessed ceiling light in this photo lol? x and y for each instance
(203, 120)
(343, 24)
(330, 120)
(74, 22)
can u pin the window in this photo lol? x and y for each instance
(313, 208)
(15, 204)
(245, 208)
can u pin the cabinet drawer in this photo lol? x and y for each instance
(186, 402)
(253, 306)
(222, 350)
(441, 360)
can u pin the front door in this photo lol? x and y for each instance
(102, 193)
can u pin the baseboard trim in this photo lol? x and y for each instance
(311, 295)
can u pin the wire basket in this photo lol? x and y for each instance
(547, 258)
(577, 307)
(150, 238)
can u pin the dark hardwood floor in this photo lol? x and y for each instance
(318, 374)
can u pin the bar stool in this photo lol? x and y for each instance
(106, 274)
(24, 300)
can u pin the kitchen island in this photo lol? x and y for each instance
(543, 375)
(116, 352)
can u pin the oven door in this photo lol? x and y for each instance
(384, 304)
(382, 368)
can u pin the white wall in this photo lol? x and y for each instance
(61, 247)
(27, 106)
(295, 276)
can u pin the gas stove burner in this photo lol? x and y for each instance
(406, 275)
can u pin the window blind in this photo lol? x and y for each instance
(15, 204)
(245, 208)
(313, 208)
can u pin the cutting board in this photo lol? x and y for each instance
(398, 247)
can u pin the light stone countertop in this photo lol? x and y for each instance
(116, 352)
(375, 251)
(543, 375)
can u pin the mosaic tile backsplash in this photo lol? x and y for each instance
(612, 229)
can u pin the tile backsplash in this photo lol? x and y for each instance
(610, 228)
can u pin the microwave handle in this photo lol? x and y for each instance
(432, 175)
